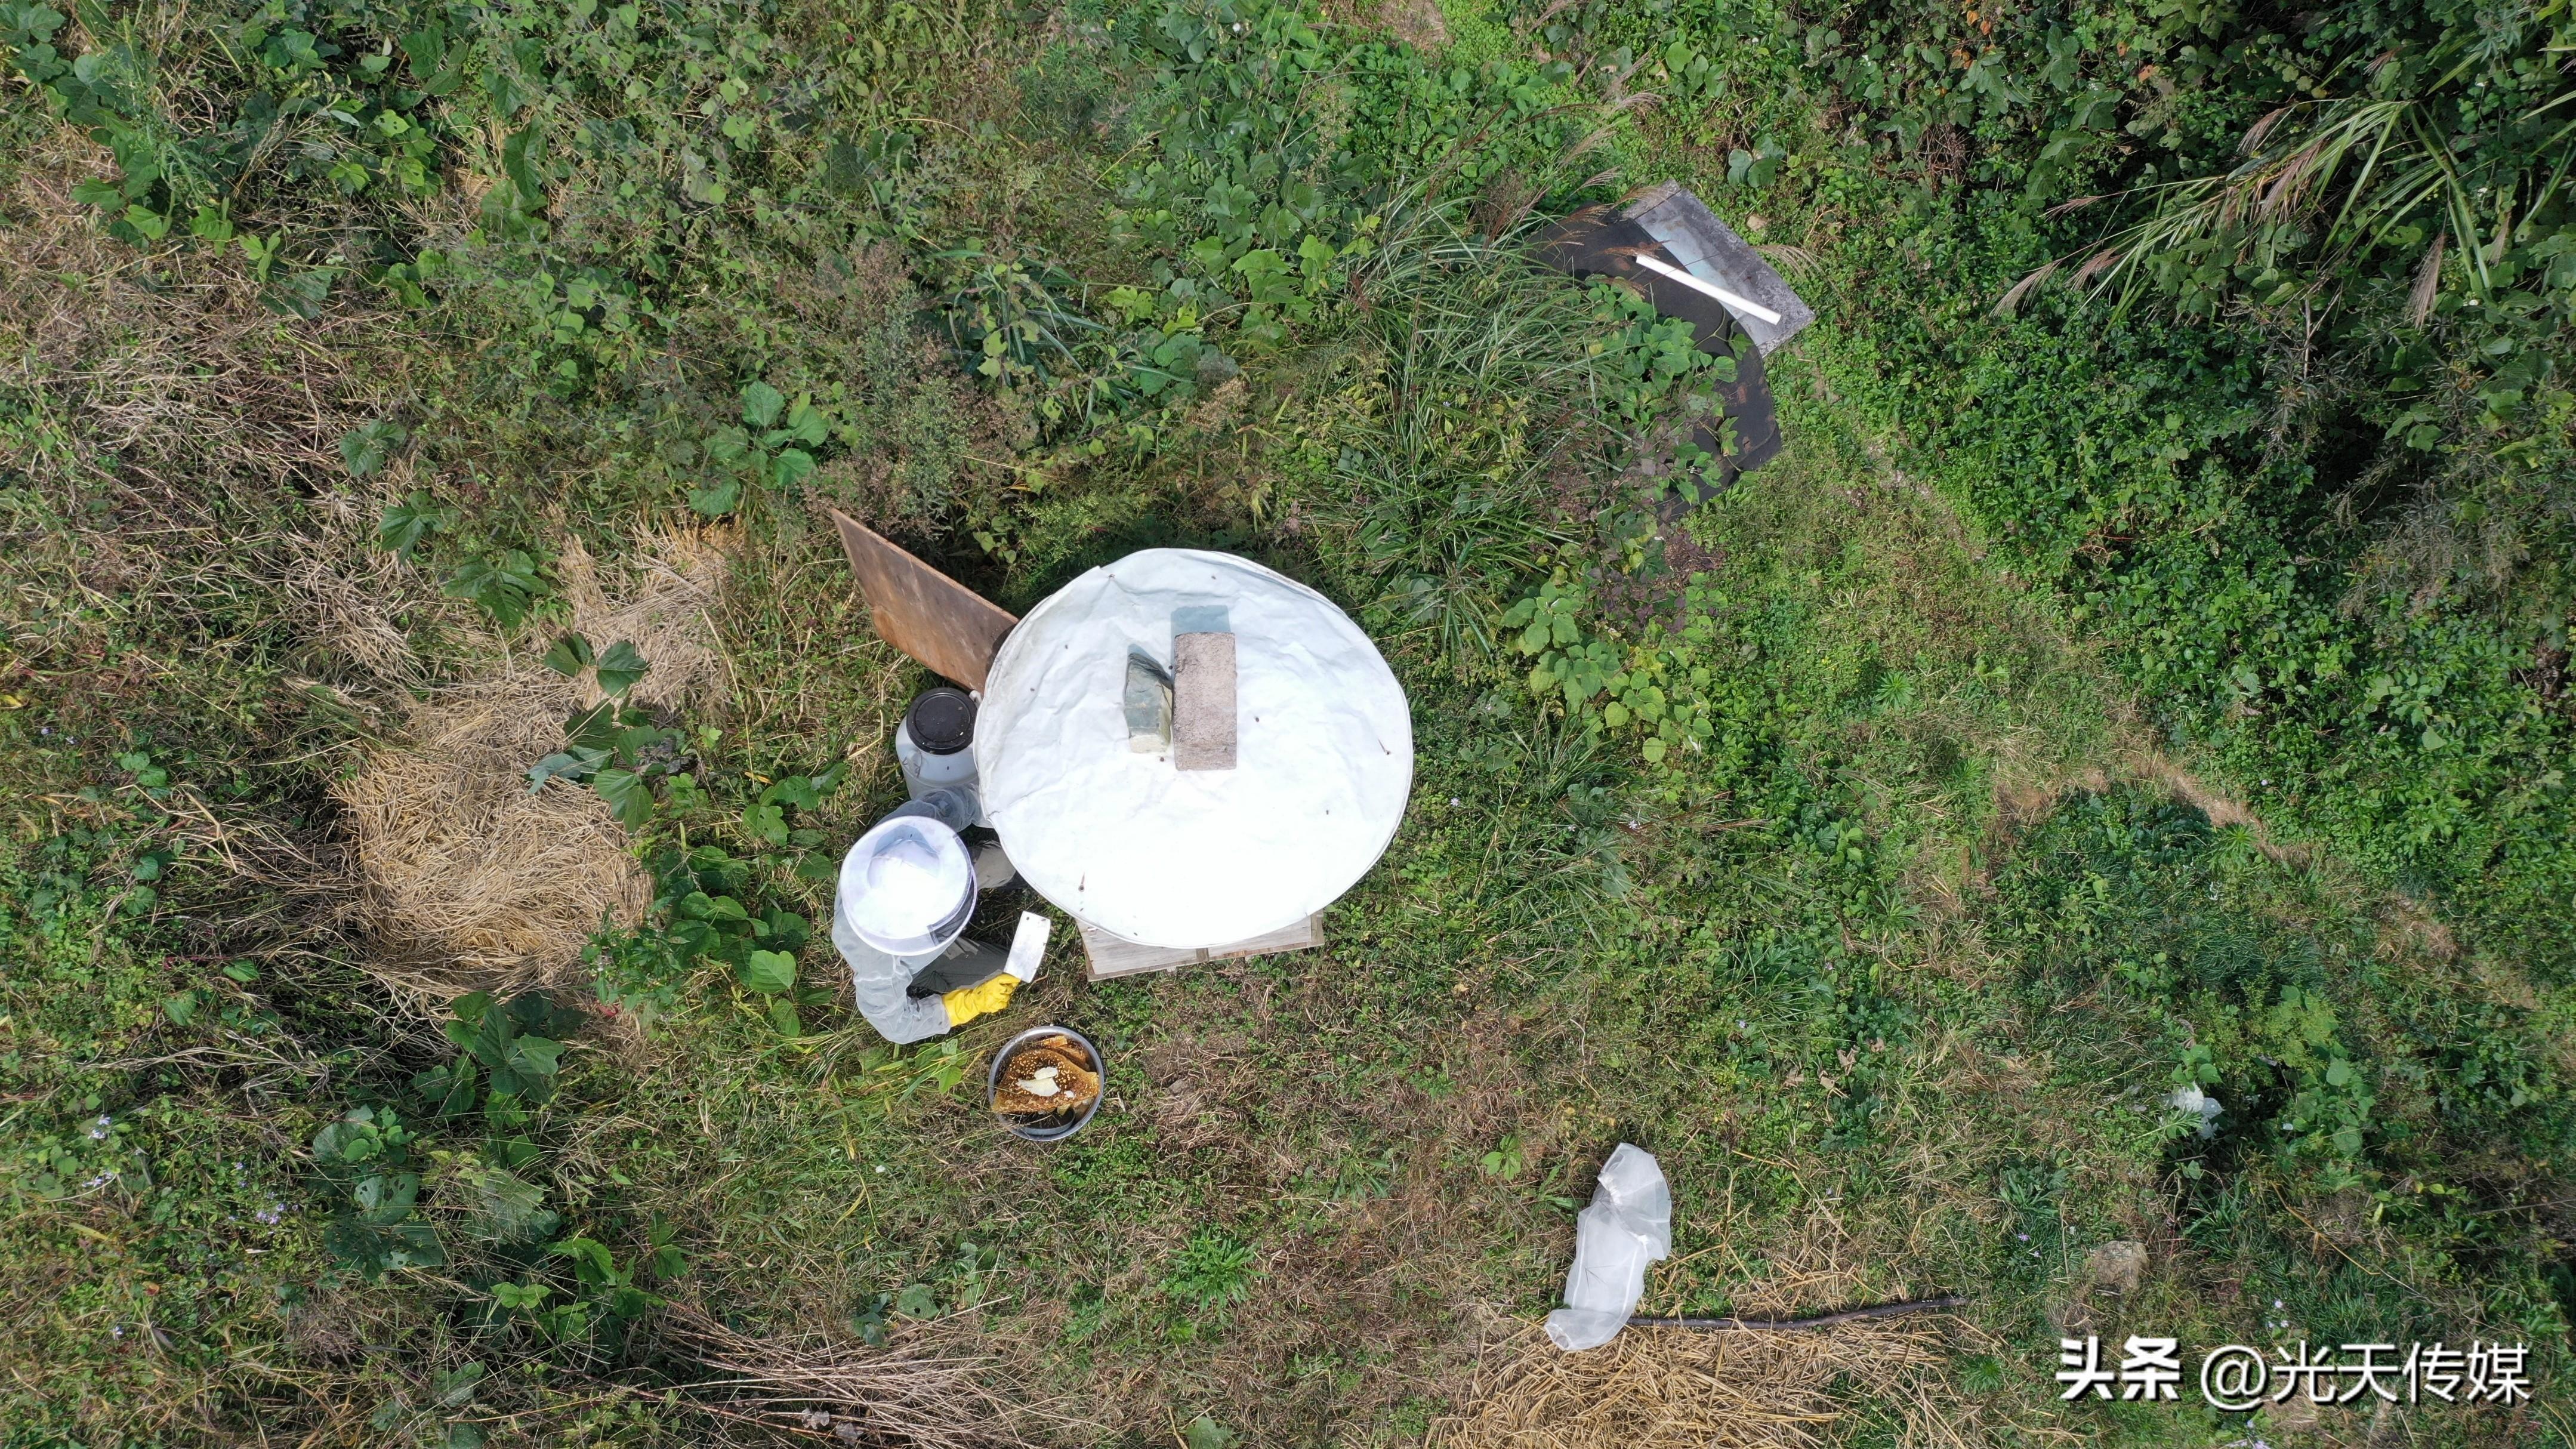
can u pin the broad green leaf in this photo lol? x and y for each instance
(365, 449)
(591, 1260)
(769, 972)
(717, 500)
(569, 656)
(406, 523)
(806, 424)
(761, 403)
(576, 765)
(594, 728)
(521, 1296)
(449, 1090)
(387, 1197)
(505, 587)
(536, 1056)
(728, 445)
(794, 790)
(620, 667)
(698, 905)
(522, 173)
(375, 1248)
(505, 1207)
(629, 798)
(790, 468)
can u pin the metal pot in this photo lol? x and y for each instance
(1041, 1131)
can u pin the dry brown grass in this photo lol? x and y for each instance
(916, 1394)
(1655, 1387)
(665, 593)
(1650, 1388)
(471, 881)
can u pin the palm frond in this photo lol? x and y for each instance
(2321, 183)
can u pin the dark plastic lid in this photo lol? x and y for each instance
(942, 721)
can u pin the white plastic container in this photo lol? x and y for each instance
(935, 744)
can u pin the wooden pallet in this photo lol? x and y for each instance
(1116, 956)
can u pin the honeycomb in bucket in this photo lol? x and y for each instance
(1049, 1077)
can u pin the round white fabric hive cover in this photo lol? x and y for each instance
(1195, 858)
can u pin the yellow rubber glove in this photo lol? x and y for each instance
(969, 1002)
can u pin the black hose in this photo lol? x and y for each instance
(1827, 1320)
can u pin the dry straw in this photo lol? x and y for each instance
(471, 881)
(913, 1394)
(1675, 1388)
(1651, 1388)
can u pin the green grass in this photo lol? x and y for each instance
(1879, 909)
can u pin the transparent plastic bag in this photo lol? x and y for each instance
(1628, 1225)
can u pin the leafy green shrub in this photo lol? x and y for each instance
(2323, 526)
(2322, 1054)
(699, 913)
(363, 1154)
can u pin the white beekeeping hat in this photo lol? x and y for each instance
(908, 886)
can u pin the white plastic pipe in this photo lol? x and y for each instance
(1745, 306)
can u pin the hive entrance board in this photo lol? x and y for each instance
(948, 627)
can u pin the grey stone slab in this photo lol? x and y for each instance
(1710, 250)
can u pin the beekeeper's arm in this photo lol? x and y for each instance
(883, 985)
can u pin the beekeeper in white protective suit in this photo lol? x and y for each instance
(1188, 753)
(909, 885)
